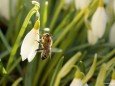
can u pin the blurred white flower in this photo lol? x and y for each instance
(67, 3)
(29, 45)
(114, 6)
(77, 82)
(112, 35)
(99, 21)
(4, 8)
(106, 1)
(112, 83)
(80, 4)
(92, 38)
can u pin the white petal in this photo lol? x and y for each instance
(92, 38)
(29, 45)
(99, 21)
(80, 4)
(76, 82)
(112, 83)
(112, 34)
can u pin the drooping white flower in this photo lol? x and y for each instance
(29, 45)
(112, 83)
(112, 35)
(99, 21)
(77, 82)
(92, 38)
(80, 4)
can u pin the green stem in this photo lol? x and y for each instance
(58, 67)
(91, 71)
(101, 76)
(57, 82)
(44, 16)
(68, 27)
(57, 9)
(4, 40)
(106, 57)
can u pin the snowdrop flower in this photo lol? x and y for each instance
(99, 21)
(30, 44)
(112, 35)
(80, 4)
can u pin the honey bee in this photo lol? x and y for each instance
(46, 42)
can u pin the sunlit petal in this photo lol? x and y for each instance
(29, 45)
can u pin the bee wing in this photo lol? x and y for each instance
(56, 50)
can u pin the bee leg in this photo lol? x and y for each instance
(39, 49)
(39, 41)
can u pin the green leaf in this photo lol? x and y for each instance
(2, 70)
(57, 69)
(91, 71)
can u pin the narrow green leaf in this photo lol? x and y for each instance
(105, 58)
(2, 70)
(67, 68)
(101, 76)
(4, 40)
(57, 9)
(91, 71)
(16, 82)
(58, 67)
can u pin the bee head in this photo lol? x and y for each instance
(47, 36)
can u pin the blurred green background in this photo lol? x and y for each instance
(69, 33)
